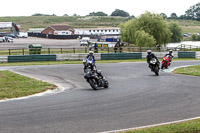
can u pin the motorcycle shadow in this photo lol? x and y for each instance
(90, 89)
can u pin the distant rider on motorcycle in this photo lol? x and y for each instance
(170, 54)
(151, 55)
(90, 56)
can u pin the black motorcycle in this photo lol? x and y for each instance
(94, 77)
(154, 65)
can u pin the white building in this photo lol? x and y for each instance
(98, 31)
(35, 30)
(9, 28)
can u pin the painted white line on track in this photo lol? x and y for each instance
(149, 126)
(173, 68)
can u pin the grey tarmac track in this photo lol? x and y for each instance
(135, 98)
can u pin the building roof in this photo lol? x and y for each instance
(60, 27)
(5, 24)
(9, 25)
(100, 28)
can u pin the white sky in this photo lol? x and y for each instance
(84, 7)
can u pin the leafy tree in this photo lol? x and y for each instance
(65, 15)
(195, 37)
(173, 16)
(150, 26)
(183, 17)
(193, 12)
(74, 15)
(131, 17)
(97, 14)
(144, 39)
(176, 32)
(155, 25)
(39, 14)
(164, 15)
(121, 13)
(128, 31)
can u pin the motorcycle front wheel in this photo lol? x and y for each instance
(93, 83)
(106, 85)
(156, 70)
(162, 65)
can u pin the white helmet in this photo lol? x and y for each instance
(148, 51)
(170, 51)
(90, 52)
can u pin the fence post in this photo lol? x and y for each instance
(61, 50)
(74, 50)
(108, 50)
(9, 51)
(85, 50)
(140, 49)
(23, 51)
(49, 50)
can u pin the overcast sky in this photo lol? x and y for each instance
(84, 7)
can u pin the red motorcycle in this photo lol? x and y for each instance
(165, 61)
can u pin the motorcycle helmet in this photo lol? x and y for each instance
(170, 52)
(91, 52)
(148, 52)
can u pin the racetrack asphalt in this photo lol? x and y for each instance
(136, 97)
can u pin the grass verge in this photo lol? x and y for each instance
(14, 85)
(190, 70)
(80, 62)
(191, 126)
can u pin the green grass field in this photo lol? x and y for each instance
(13, 85)
(191, 70)
(26, 22)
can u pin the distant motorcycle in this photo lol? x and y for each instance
(165, 62)
(93, 77)
(154, 66)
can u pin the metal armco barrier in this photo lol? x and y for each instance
(186, 54)
(98, 56)
(121, 56)
(31, 58)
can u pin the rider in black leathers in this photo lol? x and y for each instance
(150, 55)
(90, 56)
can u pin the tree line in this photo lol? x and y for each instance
(117, 12)
(193, 13)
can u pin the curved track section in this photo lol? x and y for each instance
(135, 98)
